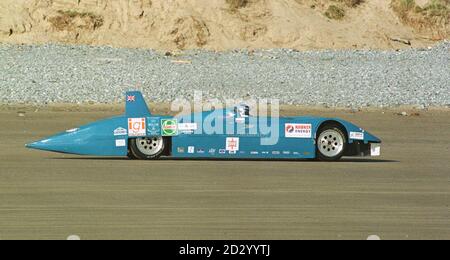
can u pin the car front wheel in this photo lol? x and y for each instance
(331, 143)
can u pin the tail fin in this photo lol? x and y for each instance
(135, 105)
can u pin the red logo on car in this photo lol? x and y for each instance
(131, 98)
(290, 128)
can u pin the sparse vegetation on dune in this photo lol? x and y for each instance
(65, 20)
(335, 12)
(437, 8)
(350, 3)
(333, 9)
(435, 15)
(236, 4)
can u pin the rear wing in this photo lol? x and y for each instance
(135, 105)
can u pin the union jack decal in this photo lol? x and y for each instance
(131, 98)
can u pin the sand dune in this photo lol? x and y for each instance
(212, 24)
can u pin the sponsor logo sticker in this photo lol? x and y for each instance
(357, 135)
(153, 126)
(375, 149)
(191, 149)
(136, 127)
(201, 151)
(298, 131)
(120, 131)
(254, 153)
(212, 151)
(187, 126)
(169, 127)
(276, 152)
(121, 143)
(180, 149)
(222, 151)
(232, 144)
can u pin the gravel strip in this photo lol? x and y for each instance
(78, 74)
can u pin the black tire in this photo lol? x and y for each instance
(135, 153)
(130, 155)
(338, 131)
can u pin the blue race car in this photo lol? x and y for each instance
(140, 135)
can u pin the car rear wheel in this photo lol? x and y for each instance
(331, 143)
(147, 148)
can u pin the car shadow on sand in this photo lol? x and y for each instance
(344, 160)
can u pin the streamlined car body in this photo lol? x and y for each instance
(218, 134)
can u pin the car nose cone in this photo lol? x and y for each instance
(97, 138)
(67, 142)
(52, 144)
(39, 145)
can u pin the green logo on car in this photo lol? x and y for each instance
(169, 127)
